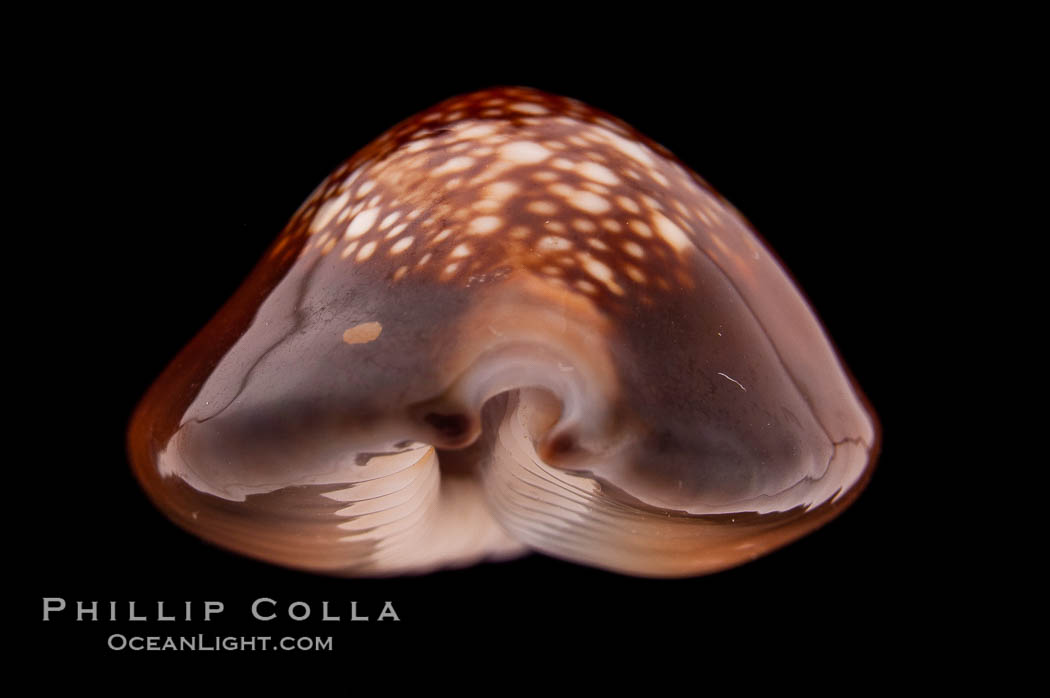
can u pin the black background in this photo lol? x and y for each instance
(167, 173)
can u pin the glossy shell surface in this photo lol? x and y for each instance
(511, 323)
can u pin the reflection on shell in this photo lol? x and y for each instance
(510, 323)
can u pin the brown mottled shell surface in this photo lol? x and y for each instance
(510, 323)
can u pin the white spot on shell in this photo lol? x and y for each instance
(670, 232)
(478, 131)
(389, 220)
(456, 164)
(366, 186)
(416, 146)
(635, 273)
(500, 191)
(596, 188)
(598, 173)
(486, 206)
(542, 208)
(595, 268)
(328, 210)
(524, 152)
(529, 108)
(600, 272)
(402, 245)
(484, 225)
(553, 243)
(652, 203)
(640, 227)
(362, 223)
(589, 202)
(629, 148)
(366, 251)
(628, 204)
(634, 249)
(462, 250)
(363, 333)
